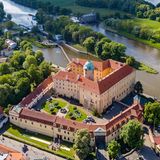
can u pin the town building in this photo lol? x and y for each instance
(3, 118)
(89, 18)
(10, 44)
(94, 84)
(10, 154)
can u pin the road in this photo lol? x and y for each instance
(32, 153)
(146, 151)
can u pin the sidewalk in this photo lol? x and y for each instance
(32, 153)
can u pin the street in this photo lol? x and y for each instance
(32, 153)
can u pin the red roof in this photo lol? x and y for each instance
(52, 119)
(97, 87)
(99, 65)
(27, 100)
(37, 116)
(11, 153)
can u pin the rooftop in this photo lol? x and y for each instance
(120, 71)
(10, 154)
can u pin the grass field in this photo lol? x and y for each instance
(154, 25)
(54, 105)
(70, 4)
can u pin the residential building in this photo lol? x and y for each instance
(10, 154)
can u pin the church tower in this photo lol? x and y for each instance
(88, 70)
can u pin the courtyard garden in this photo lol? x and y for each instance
(75, 113)
(58, 106)
(52, 106)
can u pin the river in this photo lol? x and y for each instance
(141, 52)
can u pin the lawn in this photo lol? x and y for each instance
(75, 113)
(79, 47)
(70, 4)
(150, 24)
(154, 25)
(54, 105)
(25, 137)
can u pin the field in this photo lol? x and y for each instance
(70, 4)
(146, 23)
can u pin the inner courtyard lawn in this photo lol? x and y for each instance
(53, 106)
(75, 113)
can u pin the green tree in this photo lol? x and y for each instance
(45, 69)
(152, 113)
(130, 60)
(113, 149)
(30, 59)
(4, 94)
(39, 56)
(35, 75)
(4, 68)
(138, 88)
(132, 134)
(82, 143)
(89, 44)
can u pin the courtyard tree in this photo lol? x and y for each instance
(132, 134)
(152, 113)
(138, 88)
(113, 149)
(82, 143)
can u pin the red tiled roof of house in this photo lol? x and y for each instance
(133, 111)
(12, 154)
(94, 86)
(52, 119)
(37, 116)
(99, 65)
(65, 75)
(28, 99)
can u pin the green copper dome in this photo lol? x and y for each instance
(89, 66)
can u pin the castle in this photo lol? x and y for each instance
(95, 85)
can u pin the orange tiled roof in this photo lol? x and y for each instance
(97, 87)
(52, 119)
(12, 154)
(99, 65)
(27, 100)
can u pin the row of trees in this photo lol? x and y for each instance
(131, 134)
(94, 42)
(148, 11)
(129, 6)
(18, 77)
(143, 32)
(47, 7)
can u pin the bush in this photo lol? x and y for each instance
(74, 108)
(95, 113)
(70, 114)
(56, 103)
(54, 113)
(73, 118)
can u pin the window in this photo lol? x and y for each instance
(68, 138)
